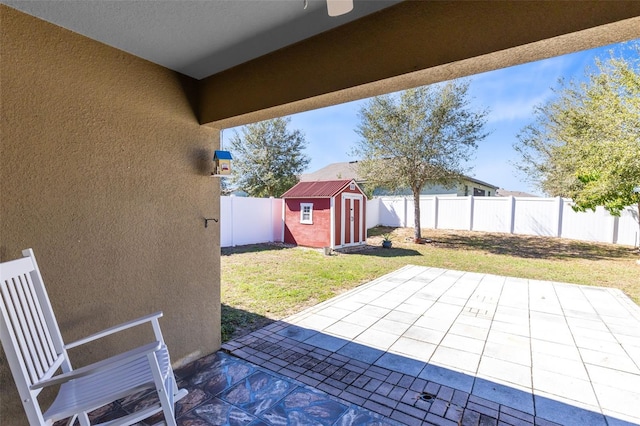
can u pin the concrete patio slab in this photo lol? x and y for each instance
(432, 346)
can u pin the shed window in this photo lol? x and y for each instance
(306, 213)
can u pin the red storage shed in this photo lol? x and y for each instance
(328, 213)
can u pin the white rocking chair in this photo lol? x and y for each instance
(35, 351)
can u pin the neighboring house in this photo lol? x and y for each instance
(504, 193)
(325, 214)
(349, 170)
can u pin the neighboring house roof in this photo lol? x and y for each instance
(317, 189)
(345, 170)
(480, 182)
(504, 193)
(349, 170)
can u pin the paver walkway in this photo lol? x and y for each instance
(448, 347)
(426, 346)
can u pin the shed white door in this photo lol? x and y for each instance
(351, 228)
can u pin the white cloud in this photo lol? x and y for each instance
(515, 108)
(512, 93)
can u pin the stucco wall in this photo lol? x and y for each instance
(104, 172)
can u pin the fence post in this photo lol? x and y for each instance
(512, 214)
(232, 219)
(283, 219)
(560, 208)
(471, 202)
(405, 211)
(435, 212)
(616, 229)
(271, 202)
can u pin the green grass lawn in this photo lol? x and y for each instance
(262, 283)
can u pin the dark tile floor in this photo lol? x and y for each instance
(225, 390)
(393, 392)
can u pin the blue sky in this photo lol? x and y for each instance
(509, 93)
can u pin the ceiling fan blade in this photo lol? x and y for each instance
(339, 7)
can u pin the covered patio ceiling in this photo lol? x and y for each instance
(195, 38)
(253, 60)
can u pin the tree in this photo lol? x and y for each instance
(584, 144)
(268, 157)
(423, 135)
(225, 188)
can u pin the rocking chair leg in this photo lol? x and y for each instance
(162, 390)
(83, 418)
(72, 420)
(167, 408)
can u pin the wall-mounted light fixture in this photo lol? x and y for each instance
(222, 163)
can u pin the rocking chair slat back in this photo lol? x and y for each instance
(25, 322)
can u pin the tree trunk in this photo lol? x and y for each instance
(638, 225)
(417, 234)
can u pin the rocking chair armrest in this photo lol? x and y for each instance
(108, 363)
(111, 330)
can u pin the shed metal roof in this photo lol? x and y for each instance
(317, 189)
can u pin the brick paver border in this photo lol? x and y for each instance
(403, 398)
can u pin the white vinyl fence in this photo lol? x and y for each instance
(245, 220)
(531, 216)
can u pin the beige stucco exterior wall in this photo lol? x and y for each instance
(105, 173)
